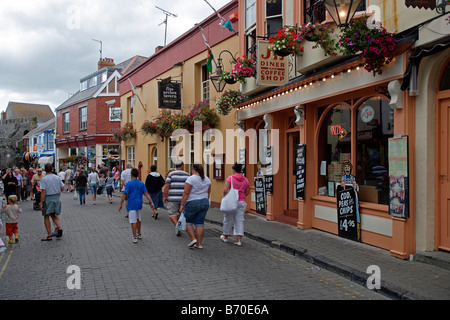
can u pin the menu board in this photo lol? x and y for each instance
(349, 221)
(260, 196)
(300, 163)
(398, 177)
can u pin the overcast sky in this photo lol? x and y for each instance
(46, 46)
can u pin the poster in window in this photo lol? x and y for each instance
(169, 95)
(398, 177)
(300, 165)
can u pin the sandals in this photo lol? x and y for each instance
(47, 239)
(58, 234)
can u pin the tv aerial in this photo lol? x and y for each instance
(167, 13)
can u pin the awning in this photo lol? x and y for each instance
(44, 160)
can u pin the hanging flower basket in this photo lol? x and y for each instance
(287, 41)
(125, 133)
(228, 78)
(321, 34)
(376, 44)
(228, 100)
(245, 67)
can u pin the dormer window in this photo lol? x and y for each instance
(104, 76)
(83, 85)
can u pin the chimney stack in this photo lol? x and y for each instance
(106, 62)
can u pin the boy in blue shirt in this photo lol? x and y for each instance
(134, 190)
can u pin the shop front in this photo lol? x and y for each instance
(322, 121)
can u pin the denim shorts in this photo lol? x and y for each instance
(94, 187)
(195, 212)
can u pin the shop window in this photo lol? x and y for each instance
(334, 147)
(374, 123)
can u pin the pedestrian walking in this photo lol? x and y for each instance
(62, 175)
(195, 204)
(80, 185)
(173, 192)
(125, 176)
(9, 183)
(37, 177)
(51, 188)
(93, 181)
(19, 185)
(116, 176)
(154, 183)
(30, 174)
(11, 213)
(109, 183)
(26, 185)
(236, 219)
(69, 179)
(133, 193)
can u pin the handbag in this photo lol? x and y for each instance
(230, 202)
(181, 224)
(75, 194)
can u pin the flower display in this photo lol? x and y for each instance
(166, 122)
(227, 77)
(320, 34)
(228, 100)
(245, 67)
(125, 133)
(287, 41)
(376, 44)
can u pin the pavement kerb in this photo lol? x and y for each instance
(347, 272)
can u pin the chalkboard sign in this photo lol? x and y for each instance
(260, 196)
(300, 164)
(349, 221)
(269, 184)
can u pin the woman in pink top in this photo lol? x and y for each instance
(236, 219)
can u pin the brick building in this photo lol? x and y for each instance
(87, 120)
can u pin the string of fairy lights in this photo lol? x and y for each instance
(295, 88)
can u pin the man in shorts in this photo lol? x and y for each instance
(173, 192)
(50, 204)
(134, 190)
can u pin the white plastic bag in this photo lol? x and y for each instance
(181, 224)
(75, 194)
(230, 202)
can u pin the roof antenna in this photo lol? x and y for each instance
(101, 47)
(167, 13)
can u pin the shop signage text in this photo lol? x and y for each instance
(272, 69)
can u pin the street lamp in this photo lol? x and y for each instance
(342, 11)
(218, 83)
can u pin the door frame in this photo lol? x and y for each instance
(290, 167)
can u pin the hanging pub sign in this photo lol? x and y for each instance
(300, 165)
(260, 196)
(349, 220)
(398, 177)
(272, 70)
(169, 95)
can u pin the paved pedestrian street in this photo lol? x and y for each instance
(97, 245)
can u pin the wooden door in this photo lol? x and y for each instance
(293, 141)
(443, 174)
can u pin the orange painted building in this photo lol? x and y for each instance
(392, 127)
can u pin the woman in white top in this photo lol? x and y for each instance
(195, 204)
(93, 181)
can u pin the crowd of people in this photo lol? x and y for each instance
(185, 195)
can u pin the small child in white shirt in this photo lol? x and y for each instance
(11, 212)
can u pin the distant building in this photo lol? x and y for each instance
(18, 110)
(41, 142)
(87, 120)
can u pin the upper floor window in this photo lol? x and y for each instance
(250, 13)
(205, 83)
(84, 85)
(83, 118)
(104, 76)
(66, 119)
(274, 16)
(315, 11)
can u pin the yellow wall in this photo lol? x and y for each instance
(191, 94)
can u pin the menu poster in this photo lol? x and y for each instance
(300, 163)
(349, 220)
(260, 196)
(398, 177)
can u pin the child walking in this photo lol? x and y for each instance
(11, 212)
(133, 192)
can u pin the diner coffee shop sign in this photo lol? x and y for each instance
(272, 69)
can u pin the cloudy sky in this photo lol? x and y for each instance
(46, 46)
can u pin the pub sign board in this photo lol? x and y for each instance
(169, 95)
(349, 220)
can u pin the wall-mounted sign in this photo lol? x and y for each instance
(367, 114)
(169, 94)
(272, 70)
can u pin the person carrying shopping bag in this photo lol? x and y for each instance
(236, 219)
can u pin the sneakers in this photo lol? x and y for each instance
(192, 243)
(238, 243)
(135, 240)
(222, 237)
(139, 236)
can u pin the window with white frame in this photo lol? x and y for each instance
(83, 85)
(130, 155)
(172, 158)
(83, 118)
(250, 13)
(205, 82)
(66, 119)
(274, 17)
